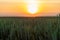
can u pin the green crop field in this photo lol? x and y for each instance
(29, 28)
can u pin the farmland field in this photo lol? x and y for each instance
(29, 28)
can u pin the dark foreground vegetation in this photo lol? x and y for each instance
(37, 28)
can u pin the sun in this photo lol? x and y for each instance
(32, 6)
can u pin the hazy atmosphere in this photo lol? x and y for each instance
(24, 7)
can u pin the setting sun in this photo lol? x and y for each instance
(32, 6)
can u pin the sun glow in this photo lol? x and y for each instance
(32, 6)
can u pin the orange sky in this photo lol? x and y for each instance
(18, 8)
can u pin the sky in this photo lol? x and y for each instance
(19, 7)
